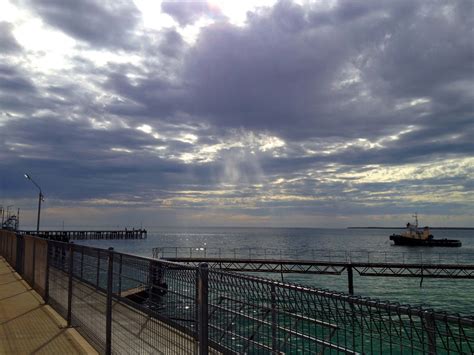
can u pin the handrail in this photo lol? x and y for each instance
(454, 257)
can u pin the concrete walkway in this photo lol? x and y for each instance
(28, 326)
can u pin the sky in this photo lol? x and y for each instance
(238, 113)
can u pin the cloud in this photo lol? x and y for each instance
(290, 72)
(302, 110)
(188, 12)
(17, 91)
(172, 44)
(8, 43)
(98, 23)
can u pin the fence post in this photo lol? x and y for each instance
(203, 320)
(120, 277)
(82, 263)
(19, 254)
(430, 327)
(34, 262)
(97, 281)
(274, 320)
(350, 279)
(46, 282)
(69, 293)
(108, 316)
(151, 278)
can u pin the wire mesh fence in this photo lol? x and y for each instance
(128, 304)
(294, 319)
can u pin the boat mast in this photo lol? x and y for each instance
(416, 219)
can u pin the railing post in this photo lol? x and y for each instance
(69, 293)
(82, 263)
(19, 253)
(34, 262)
(430, 327)
(274, 320)
(97, 280)
(203, 274)
(108, 316)
(151, 278)
(350, 279)
(120, 276)
(46, 282)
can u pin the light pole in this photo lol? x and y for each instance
(40, 198)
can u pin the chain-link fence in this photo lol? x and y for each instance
(128, 304)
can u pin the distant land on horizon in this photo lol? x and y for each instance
(438, 228)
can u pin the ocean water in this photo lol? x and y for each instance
(451, 295)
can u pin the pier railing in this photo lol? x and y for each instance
(128, 304)
(355, 256)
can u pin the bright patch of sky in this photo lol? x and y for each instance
(440, 169)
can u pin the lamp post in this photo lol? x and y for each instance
(40, 198)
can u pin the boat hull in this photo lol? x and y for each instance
(401, 240)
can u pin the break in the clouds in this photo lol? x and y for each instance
(188, 12)
(280, 113)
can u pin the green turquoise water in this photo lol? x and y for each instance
(454, 296)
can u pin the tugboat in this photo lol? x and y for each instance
(413, 236)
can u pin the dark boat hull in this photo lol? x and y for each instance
(401, 240)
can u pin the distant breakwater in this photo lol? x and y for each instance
(438, 228)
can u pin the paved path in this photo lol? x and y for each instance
(28, 326)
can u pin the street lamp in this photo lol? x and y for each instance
(40, 198)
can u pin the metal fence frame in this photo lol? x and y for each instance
(123, 303)
(323, 255)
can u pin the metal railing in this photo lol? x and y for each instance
(316, 255)
(129, 304)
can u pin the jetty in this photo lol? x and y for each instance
(68, 235)
(320, 262)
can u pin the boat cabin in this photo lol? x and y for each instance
(414, 233)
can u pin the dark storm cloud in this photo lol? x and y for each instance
(84, 157)
(13, 80)
(18, 94)
(425, 53)
(281, 70)
(99, 23)
(316, 72)
(8, 43)
(188, 12)
(153, 98)
(172, 43)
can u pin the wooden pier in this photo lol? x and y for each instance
(67, 235)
